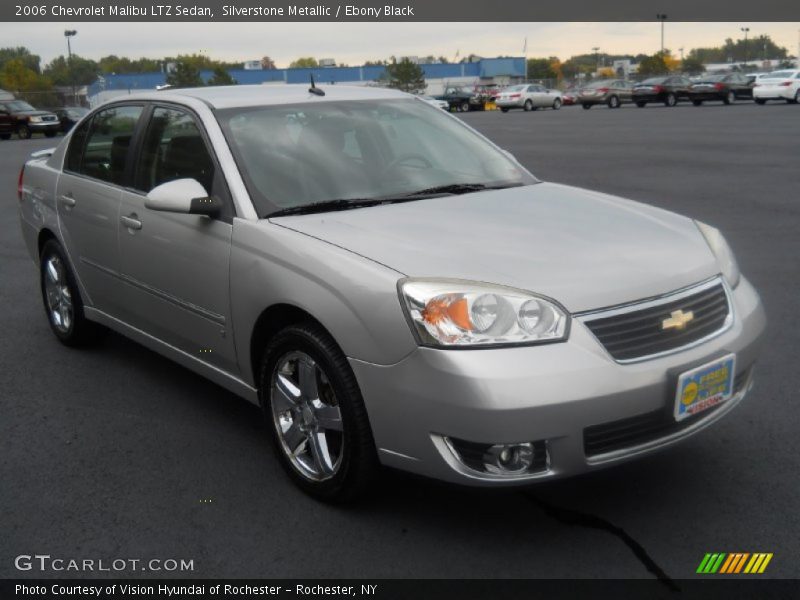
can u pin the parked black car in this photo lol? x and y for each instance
(461, 99)
(26, 120)
(6, 125)
(69, 115)
(728, 88)
(612, 92)
(670, 90)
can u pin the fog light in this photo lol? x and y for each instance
(508, 459)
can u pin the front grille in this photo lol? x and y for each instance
(636, 331)
(50, 118)
(634, 431)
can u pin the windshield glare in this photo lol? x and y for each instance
(654, 80)
(19, 105)
(295, 155)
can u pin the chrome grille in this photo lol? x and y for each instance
(636, 332)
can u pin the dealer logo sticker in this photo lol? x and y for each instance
(734, 563)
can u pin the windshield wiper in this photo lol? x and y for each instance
(351, 203)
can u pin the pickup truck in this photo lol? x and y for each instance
(460, 99)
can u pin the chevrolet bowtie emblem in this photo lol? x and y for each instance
(677, 320)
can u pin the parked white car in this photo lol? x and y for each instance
(778, 85)
(528, 97)
(436, 102)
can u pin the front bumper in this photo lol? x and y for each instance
(549, 393)
(44, 126)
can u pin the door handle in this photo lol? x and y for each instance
(131, 222)
(67, 200)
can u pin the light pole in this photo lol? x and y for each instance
(596, 50)
(746, 30)
(68, 34)
(662, 17)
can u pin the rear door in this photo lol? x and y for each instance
(175, 266)
(539, 95)
(88, 199)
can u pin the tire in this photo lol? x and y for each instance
(343, 467)
(796, 99)
(50, 134)
(464, 107)
(528, 106)
(62, 299)
(5, 136)
(670, 100)
(641, 104)
(697, 102)
(586, 106)
(613, 102)
(24, 132)
(729, 98)
(556, 103)
(760, 101)
(505, 110)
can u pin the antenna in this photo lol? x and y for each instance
(314, 89)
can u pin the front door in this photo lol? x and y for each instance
(175, 266)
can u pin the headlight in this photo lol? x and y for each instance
(725, 258)
(35, 119)
(454, 313)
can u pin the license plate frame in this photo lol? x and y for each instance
(703, 387)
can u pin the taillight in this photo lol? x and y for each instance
(786, 83)
(515, 95)
(19, 183)
(718, 86)
(603, 90)
(658, 89)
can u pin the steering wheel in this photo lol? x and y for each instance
(396, 162)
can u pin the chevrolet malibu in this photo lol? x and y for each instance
(389, 286)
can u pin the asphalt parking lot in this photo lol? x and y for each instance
(116, 452)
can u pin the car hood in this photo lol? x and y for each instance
(33, 113)
(585, 249)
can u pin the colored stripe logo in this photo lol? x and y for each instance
(734, 563)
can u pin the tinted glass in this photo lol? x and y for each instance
(19, 106)
(108, 141)
(173, 149)
(655, 80)
(294, 155)
(779, 75)
(75, 150)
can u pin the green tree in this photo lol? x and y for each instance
(653, 65)
(185, 75)
(221, 77)
(542, 68)
(72, 71)
(268, 64)
(691, 65)
(27, 84)
(406, 76)
(756, 48)
(31, 61)
(305, 62)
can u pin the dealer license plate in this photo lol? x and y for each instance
(704, 387)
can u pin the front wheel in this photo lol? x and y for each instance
(24, 132)
(316, 414)
(586, 106)
(5, 136)
(796, 99)
(556, 103)
(641, 104)
(505, 110)
(50, 134)
(670, 100)
(528, 106)
(62, 299)
(730, 98)
(464, 107)
(697, 102)
(760, 101)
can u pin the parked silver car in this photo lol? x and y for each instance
(528, 97)
(387, 284)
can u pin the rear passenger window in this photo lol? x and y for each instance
(173, 149)
(76, 145)
(107, 142)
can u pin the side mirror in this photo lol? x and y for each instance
(186, 196)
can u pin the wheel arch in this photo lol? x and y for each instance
(45, 235)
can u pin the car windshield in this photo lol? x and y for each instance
(654, 80)
(19, 105)
(298, 155)
(779, 75)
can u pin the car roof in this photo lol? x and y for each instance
(235, 96)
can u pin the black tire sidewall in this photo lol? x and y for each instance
(81, 329)
(24, 132)
(359, 460)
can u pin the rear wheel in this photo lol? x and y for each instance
(316, 414)
(5, 136)
(528, 106)
(613, 102)
(24, 132)
(62, 299)
(796, 99)
(641, 104)
(556, 103)
(50, 134)
(697, 102)
(730, 97)
(504, 110)
(670, 100)
(586, 106)
(760, 101)
(464, 107)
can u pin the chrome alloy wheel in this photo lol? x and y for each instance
(306, 416)
(59, 298)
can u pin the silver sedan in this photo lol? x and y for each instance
(528, 97)
(389, 286)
